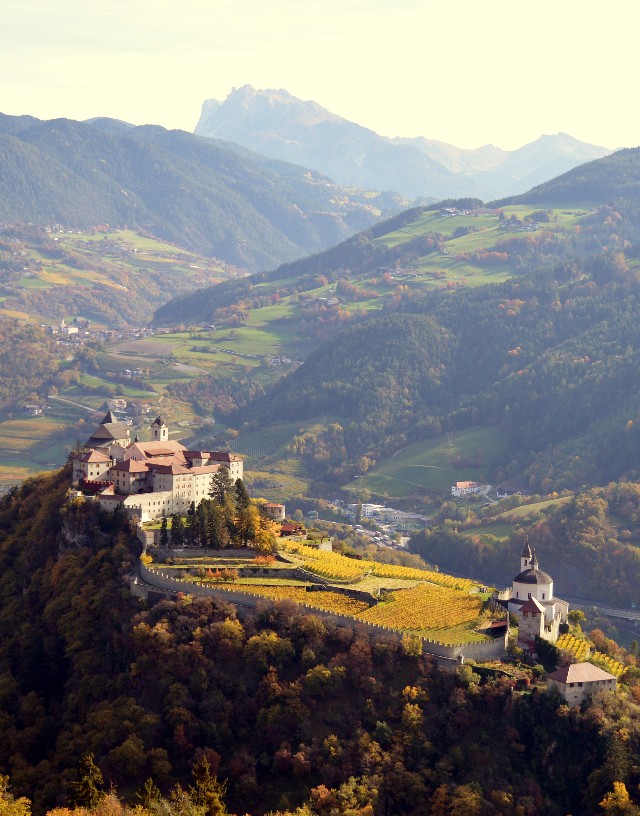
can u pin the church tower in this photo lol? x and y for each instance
(159, 430)
(525, 558)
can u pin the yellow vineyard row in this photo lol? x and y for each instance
(580, 649)
(340, 568)
(327, 601)
(575, 646)
(424, 607)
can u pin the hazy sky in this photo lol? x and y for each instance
(463, 71)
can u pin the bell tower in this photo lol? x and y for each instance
(159, 430)
(526, 557)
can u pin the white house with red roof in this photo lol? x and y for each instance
(151, 478)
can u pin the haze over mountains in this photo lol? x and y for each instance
(215, 198)
(279, 125)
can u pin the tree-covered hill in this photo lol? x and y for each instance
(209, 196)
(588, 542)
(550, 358)
(284, 707)
(599, 181)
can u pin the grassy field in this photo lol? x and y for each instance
(33, 444)
(436, 464)
(501, 531)
(501, 526)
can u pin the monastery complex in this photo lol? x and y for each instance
(148, 479)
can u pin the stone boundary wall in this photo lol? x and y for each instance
(476, 651)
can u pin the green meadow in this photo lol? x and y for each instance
(435, 465)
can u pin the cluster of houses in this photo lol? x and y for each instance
(383, 515)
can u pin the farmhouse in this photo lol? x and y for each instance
(576, 682)
(467, 488)
(150, 478)
(275, 511)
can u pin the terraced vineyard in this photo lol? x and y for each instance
(430, 604)
(340, 568)
(425, 607)
(327, 601)
(581, 650)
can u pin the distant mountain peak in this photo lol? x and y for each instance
(282, 126)
(278, 124)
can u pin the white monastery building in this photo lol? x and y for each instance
(151, 478)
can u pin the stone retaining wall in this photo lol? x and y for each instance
(488, 650)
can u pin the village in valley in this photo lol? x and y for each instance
(450, 618)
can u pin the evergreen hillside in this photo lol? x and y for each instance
(549, 357)
(208, 196)
(391, 380)
(354, 256)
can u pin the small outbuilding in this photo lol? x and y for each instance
(576, 682)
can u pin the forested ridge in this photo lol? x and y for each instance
(614, 176)
(551, 358)
(284, 708)
(588, 542)
(29, 362)
(208, 196)
(356, 255)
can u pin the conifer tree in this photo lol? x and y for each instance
(164, 532)
(192, 525)
(207, 791)
(241, 495)
(221, 485)
(87, 791)
(177, 530)
(149, 794)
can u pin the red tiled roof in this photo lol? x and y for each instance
(205, 469)
(174, 468)
(131, 466)
(94, 456)
(532, 605)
